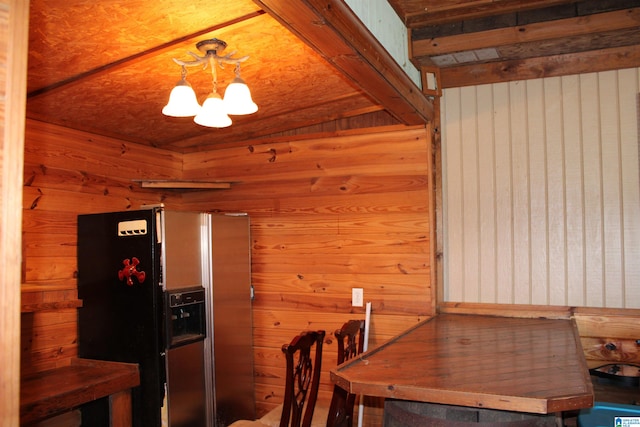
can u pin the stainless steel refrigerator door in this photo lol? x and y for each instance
(182, 248)
(186, 379)
(231, 317)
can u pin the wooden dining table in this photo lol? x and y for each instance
(530, 365)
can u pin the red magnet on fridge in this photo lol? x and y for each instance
(130, 269)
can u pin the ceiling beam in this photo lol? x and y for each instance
(335, 32)
(547, 66)
(571, 27)
(447, 12)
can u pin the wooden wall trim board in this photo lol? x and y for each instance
(14, 18)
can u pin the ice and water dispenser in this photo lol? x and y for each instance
(186, 317)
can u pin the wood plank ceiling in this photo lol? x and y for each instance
(105, 66)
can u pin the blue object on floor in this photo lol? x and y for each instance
(605, 414)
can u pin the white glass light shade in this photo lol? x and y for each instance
(237, 98)
(182, 101)
(213, 114)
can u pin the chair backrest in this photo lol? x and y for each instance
(350, 344)
(303, 378)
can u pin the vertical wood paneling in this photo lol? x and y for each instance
(504, 194)
(538, 192)
(630, 159)
(486, 185)
(592, 157)
(574, 182)
(520, 178)
(470, 197)
(612, 195)
(388, 28)
(563, 155)
(556, 191)
(452, 176)
(14, 16)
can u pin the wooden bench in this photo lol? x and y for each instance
(55, 391)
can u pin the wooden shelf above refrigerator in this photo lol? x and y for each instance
(185, 185)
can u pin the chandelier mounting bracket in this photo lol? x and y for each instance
(210, 48)
(215, 45)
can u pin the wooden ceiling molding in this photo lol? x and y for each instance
(105, 66)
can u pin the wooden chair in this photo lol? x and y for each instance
(350, 344)
(301, 384)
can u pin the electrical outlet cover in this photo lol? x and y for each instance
(357, 297)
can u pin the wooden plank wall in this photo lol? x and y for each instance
(609, 335)
(67, 173)
(327, 215)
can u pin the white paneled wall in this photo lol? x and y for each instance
(542, 191)
(386, 26)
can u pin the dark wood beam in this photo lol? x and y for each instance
(333, 30)
(446, 13)
(548, 66)
(572, 27)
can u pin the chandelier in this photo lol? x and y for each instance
(215, 110)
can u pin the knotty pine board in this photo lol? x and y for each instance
(48, 339)
(387, 153)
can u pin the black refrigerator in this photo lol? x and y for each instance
(147, 284)
(122, 314)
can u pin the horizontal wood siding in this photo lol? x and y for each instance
(327, 215)
(67, 173)
(541, 189)
(609, 336)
